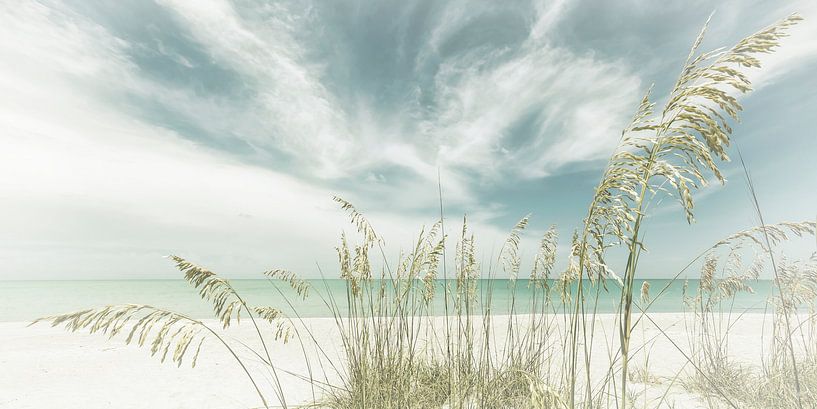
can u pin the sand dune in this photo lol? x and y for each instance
(46, 367)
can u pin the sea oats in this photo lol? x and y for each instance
(677, 147)
(397, 354)
(226, 302)
(510, 250)
(545, 258)
(645, 292)
(357, 218)
(145, 324)
(776, 233)
(300, 286)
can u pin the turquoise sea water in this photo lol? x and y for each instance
(27, 300)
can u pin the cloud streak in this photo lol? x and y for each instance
(221, 130)
(479, 95)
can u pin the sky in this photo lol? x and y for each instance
(220, 131)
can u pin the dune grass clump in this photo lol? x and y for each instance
(670, 153)
(792, 381)
(400, 352)
(781, 382)
(422, 331)
(738, 385)
(774, 386)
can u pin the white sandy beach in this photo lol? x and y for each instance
(44, 367)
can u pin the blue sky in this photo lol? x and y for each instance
(220, 130)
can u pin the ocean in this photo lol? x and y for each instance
(27, 300)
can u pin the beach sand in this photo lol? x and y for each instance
(44, 367)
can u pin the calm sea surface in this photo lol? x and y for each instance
(26, 300)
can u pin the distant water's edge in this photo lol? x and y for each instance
(27, 300)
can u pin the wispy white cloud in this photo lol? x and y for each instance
(96, 192)
(575, 99)
(101, 189)
(298, 114)
(575, 104)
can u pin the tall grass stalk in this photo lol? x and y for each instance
(789, 342)
(397, 352)
(678, 147)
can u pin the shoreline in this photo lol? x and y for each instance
(177, 295)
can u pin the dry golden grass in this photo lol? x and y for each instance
(396, 355)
